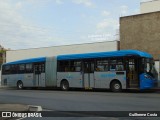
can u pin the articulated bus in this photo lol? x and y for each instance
(117, 70)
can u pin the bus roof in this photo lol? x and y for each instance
(32, 60)
(119, 53)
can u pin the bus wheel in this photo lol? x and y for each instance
(116, 86)
(19, 85)
(64, 85)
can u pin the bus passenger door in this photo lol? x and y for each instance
(39, 75)
(132, 73)
(88, 74)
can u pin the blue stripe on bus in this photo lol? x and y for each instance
(32, 60)
(105, 54)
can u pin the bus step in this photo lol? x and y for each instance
(133, 88)
(88, 88)
(133, 85)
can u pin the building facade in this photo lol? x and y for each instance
(142, 31)
(13, 55)
(150, 6)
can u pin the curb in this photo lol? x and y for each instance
(1, 87)
(158, 89)
(20, 107)
(34, 108)
(6, 87)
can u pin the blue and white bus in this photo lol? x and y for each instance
(117, 70)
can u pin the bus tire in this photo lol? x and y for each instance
(116, 86)
(65, 85)
(19, 85)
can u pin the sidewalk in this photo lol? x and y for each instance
(6, 110)
(13, 107)
(6, 87)
(157, 89)
(10, 108)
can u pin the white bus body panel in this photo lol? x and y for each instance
(42, 82)
(103, 79)
(9, 80)
(12, 80)
(39, 80)
(89, 81)
(74, 79)
(28, 80)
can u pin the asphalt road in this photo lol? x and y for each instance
(56, 100)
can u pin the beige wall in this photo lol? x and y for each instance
(141, 32)
(13, 55)
(157, 67)
(150, 6)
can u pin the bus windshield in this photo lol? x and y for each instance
(149, 67)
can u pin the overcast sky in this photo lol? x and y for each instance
(41, 23)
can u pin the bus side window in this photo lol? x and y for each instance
(113, 67)
(29, 68)
(21, 68)
(102, 65)
(113, 64)
(6, 69)
(99, 68)
(63, 66)
(43, 67)
(117, 64)
(119, 68)
(69, 66)
(77, 66)
(66, 69)
(14, 69)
